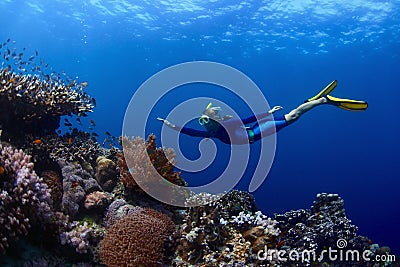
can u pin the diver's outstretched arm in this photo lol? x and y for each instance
(185, 130)
(173, 126)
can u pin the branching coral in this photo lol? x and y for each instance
(35, 105)
(76, 146)
(135, 157)
(137, 239)
(82, 236)
(24, 196)
(163, 160)
(43, 97)
(77, 237)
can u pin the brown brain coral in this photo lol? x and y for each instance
(137, 239)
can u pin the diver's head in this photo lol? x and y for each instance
(210, 113)
(210, 118)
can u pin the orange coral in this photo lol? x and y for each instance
(125, 177)
(137, 239)
(159, 157)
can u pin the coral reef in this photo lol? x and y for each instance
(136, 239)
(106, 173)
(320, 227)
(235, 253)
(212, 236)
(33, 105)
(201, 231)
(82, 236)
(75, 146)
(65, 215)
(117, 210)
(134, 152)
(235, 202)
(97, 200)
(222, 234)
(77, 237)
(76, 184)
(24, 196)
(257, 228)
(54, 183)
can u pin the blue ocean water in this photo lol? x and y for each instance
(291, 50)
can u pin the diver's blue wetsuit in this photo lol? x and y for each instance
(264, 126)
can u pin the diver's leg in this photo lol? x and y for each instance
(266, 128)
(303, 108)
(269, 127)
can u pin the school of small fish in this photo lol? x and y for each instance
(22, 66)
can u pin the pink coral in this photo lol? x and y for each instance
(81, 236)
(23, 197)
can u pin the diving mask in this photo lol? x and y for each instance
(204, 119)
(210, 113)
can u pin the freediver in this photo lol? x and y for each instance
(264, 124)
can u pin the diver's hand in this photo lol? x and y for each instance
(276, 108)
(167, 122)
(227, 117)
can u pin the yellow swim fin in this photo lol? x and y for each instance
(347, 104)
(326, 91)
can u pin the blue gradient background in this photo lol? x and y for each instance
(291, 51)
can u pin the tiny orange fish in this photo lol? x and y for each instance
(83, 148)
(2, 170)
(37, 142)
(12, 80)
(70, 140)
(111, 145)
